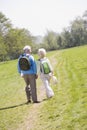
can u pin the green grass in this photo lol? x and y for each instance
(12, 97)
(67, 110)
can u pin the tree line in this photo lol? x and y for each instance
(12, 40)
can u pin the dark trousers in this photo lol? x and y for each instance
(30, 80)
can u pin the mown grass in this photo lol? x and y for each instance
(13, 108)
(67, 110)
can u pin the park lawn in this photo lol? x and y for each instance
(67, 110)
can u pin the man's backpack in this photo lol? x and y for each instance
(24, 63)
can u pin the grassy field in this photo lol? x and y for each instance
(67, 110)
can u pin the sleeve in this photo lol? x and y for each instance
(33, 64)
(35, 67)
(18, 67)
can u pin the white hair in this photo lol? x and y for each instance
(42, 51)
(27, 48)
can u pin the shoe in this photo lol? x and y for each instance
(29, 101)
(36, 101)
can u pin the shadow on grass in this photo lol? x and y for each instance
(22, 104)
(10, 107)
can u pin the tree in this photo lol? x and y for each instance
(66, 38)
(77, 31)
(15, 40)
(5, 24)
(50, 40)
(2, 49)
(59, 41)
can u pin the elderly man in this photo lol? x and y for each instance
(29, 75)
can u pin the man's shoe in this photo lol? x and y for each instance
(36, 101)
(29, 101)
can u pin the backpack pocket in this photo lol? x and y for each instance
(46, 68)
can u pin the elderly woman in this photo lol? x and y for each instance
(45, 72)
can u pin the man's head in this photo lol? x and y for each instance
(27, 49)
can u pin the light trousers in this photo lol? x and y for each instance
(46, 81)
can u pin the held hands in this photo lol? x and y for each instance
(22, 75)
(36, 76)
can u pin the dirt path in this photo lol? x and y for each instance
(30, 122)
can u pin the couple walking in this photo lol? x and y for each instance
(29, 73)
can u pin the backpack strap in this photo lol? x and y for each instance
(40, 65)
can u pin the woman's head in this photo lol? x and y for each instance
(42, 52)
